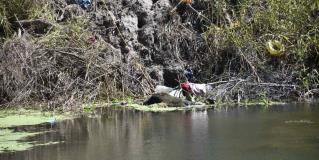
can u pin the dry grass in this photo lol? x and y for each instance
(66, 65)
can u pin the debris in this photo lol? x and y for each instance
(275, 48)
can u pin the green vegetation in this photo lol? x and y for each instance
(254, 22)
(14, 141)
(88, 108)
(263, 41)
(162, 107)
(248, 27)
(71, 33)
(10, 140)
(12, 11)
(22, 117)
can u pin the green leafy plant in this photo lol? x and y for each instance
(88, 108)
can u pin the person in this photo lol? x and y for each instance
(85, 4)
(190, 90)
(188, 73)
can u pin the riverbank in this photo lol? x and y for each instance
(64, 56)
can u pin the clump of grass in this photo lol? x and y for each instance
(14, 10)
(73, 33)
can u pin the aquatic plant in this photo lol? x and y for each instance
(11, 118)
(10, 140)
(13, 140)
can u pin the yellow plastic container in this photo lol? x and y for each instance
(275, 48)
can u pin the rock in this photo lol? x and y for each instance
(146, 30)
(145, 36)
(129, 25)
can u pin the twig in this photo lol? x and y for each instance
(199, 14)
(68, 53)
(175, 8)
(219, 82)
(19, 23)
(251, 66)
(273, 85)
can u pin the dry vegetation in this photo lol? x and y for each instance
(61, 61)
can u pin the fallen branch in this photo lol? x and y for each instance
(198, 13)
(274, 85)
(175, 8)
(220, 82)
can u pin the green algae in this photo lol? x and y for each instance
(153, 108)
(162, 107)
(14, 118)
(11, 141)
(21, 120)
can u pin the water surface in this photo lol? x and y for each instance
(289, 132)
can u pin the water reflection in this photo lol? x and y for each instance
(226, 134)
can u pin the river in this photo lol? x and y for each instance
(282, 132)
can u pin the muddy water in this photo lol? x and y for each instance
(288, 132)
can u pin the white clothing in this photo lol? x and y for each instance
(199, 89)
(163, 89)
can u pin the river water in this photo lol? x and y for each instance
(286, 132)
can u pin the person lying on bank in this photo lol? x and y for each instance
(192, 90)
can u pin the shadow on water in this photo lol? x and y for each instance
(285, 132)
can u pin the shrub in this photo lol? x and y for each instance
(250, 24)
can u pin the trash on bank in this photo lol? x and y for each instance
(275, 48)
